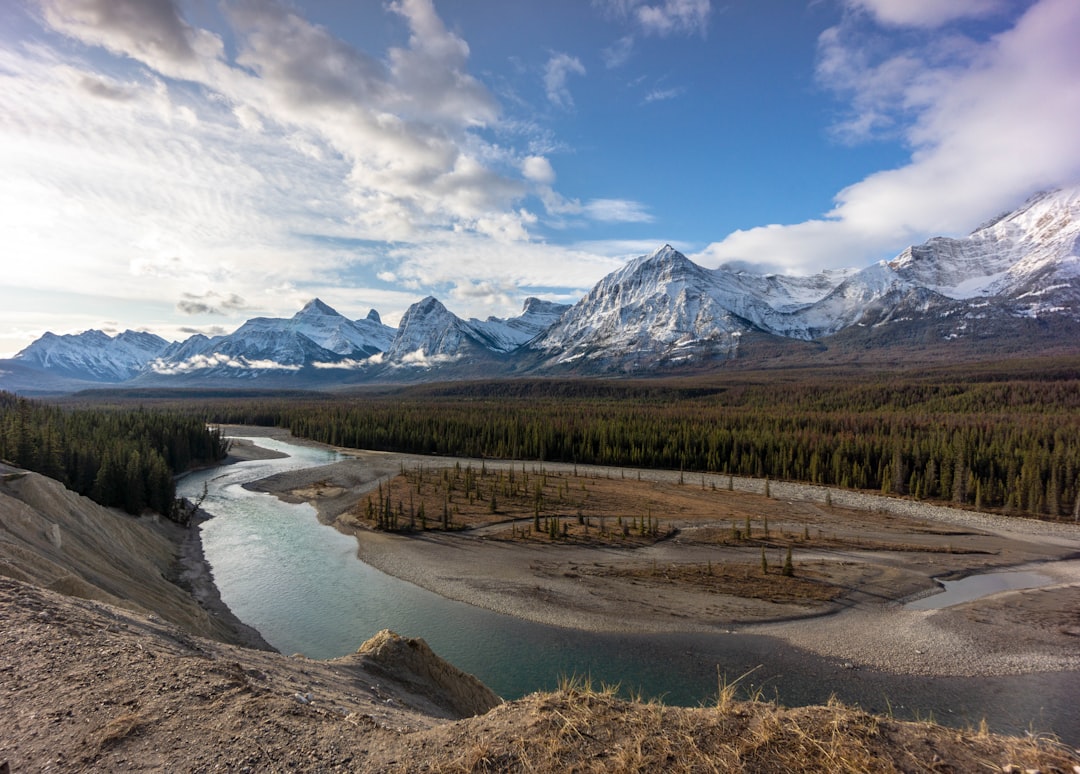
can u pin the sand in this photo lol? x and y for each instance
(585, 587)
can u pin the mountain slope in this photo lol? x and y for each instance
(317, 334)
(509, 334)
(659, 311)
(93, 355)
(430, 334)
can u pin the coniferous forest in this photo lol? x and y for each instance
(1003, 437)
(1008, 442)
(125, 458)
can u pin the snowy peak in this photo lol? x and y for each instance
(342, 336)
(94, 355)
(1015, 277)
(1004, 257)
(658, 308)
(316, 335)
(430, 334)
(507, 335)
(316, 307)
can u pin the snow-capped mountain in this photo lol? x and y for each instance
(1013, 284)
(658, 306)
(1023, 264)
(509, 334)
(664, 309)
(317, 334)
(430, 334)
(93, 355)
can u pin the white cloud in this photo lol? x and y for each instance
(418, 359)
(662, 95)
(197, 363)
(538, 169)
(687, 17)
(617, 211)
(989, 123)
(926, 13)
(675, 16)
(618, 53)
(558, 68)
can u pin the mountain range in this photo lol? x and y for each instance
(1012, 285)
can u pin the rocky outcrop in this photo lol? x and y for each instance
(415, 667)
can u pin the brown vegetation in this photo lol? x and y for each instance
(91, 687)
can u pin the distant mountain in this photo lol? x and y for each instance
(93, 356)
(317, 334)
(430, 334)
(1012, 285)
(659, 307)
(1012, 279)
(510, 334)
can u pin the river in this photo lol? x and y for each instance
(300, 584)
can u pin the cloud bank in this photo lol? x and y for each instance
(987, 122)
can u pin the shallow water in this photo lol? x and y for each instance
(300, 584)
(979, 586)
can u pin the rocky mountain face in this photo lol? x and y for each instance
(1012, 283)
(93, 355)
(1011, 279)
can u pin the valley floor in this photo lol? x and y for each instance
(872, 553)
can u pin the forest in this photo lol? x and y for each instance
(1001, 437)
(125, 458)
(1002, 440)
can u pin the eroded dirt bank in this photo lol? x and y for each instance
(91, 687)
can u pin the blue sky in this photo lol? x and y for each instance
(182, 165)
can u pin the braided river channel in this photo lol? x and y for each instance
(301, 585)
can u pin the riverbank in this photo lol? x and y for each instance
(878, 550)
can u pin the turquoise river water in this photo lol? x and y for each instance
(300, 584)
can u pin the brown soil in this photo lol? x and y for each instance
(86, 686)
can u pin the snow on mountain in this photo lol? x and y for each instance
(93, 355)
(663, 307)
(658, 306)
(1015, 255)
(317, 334)
(430, 334)
(509, 334)
(657, 310)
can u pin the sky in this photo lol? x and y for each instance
(180, 166)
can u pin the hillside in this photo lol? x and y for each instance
(90, 686)
(100, 681)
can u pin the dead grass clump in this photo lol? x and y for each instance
(582, 729)
(120, 728)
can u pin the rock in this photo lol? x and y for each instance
(410, 662)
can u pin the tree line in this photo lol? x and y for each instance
(123, 458)
(1011, 445)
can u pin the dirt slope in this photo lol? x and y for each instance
(89, 687)
(93, 679)
(57, 539)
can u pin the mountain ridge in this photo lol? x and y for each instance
(1018, 273)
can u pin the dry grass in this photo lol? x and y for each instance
(120, 728)
(582, 729)
(743, 580)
